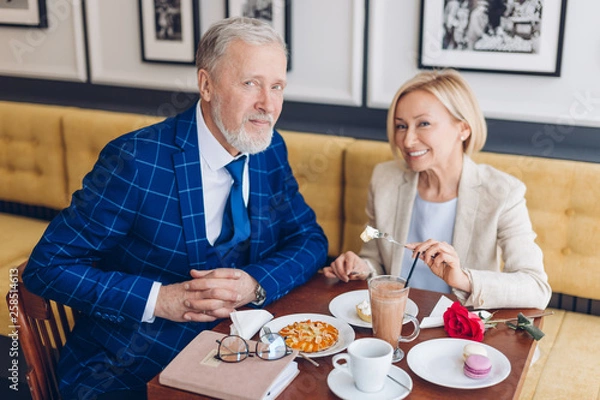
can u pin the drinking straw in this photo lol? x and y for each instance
(412, 268)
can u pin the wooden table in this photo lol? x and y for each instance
(314, 297)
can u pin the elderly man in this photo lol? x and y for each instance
(180, 223)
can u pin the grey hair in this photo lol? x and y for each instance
(216, 39)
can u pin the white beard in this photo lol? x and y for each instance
(241, 139)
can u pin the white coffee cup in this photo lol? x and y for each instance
(368, 362)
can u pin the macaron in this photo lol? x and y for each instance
(477, 366)
(474, 348)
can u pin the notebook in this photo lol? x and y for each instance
(195, 369)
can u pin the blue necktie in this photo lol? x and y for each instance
(236, 224)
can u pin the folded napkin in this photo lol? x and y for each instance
(436, 318)
(246, 323)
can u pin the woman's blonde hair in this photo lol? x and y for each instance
(453, 91)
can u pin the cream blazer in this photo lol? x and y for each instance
(492, 226)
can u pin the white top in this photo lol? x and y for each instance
(428, 221)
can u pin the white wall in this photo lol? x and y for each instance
(572, 99)
(327, 49)
(327, 56)
(115, 51)
(56, 52)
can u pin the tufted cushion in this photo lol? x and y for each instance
(18, 236)
(88, 131)
(551, 326)
(565, 213)
(361, 158)
(32, 169)
(572, 368)
(316, 161)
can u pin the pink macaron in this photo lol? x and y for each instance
(477, 366)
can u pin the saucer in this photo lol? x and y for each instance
(342, 385)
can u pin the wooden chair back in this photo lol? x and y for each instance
(43, 329)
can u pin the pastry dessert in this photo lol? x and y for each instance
(369, 234)
(363, 309)
(473, 348)
(477, 366)
(310, 336)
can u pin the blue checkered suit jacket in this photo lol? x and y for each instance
(140, 218)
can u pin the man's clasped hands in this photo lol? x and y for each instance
(208, 296)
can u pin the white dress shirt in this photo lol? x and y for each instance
(216, 180)
(216, 185)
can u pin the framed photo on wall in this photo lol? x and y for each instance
(507, 36)
(23, 13)
(275, 12)
(169, 31)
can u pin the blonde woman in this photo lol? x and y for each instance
(463, 219)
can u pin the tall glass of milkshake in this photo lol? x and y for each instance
(388, 296)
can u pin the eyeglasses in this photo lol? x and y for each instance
(234, 348)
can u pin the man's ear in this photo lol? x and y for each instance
(204, 85)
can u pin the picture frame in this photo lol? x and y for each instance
(275, 12)
(169, 31)
(23, 13)
(517, 37)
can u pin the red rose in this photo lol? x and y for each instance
(460, 323)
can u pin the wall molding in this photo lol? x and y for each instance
(108, 68)
(41, 52)
(504, 136)
(349, 93)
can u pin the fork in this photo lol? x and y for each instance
(377, 234)
(388, 237)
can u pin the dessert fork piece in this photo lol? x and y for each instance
(371, 233)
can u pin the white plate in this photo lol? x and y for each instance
(344, 307)
(346, 333)
(342, 385)
(440, 361)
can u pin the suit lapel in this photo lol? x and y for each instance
(466, 209)
(189, 184)
(257, 203)
(407, 190)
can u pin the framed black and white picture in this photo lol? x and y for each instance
(23, 13)
(508, 36)
(275, 12)
(169, 30)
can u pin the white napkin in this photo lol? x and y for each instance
(246, 323)
(436, 318)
